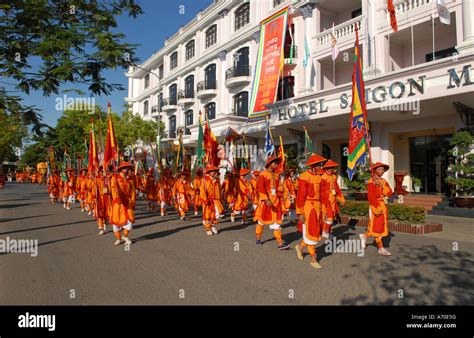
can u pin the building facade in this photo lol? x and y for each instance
(419, 81)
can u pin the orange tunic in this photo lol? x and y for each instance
(377, 195)
(181, 194)
(150, 188)
(163, 189)
(332, 194)
(253, 190)
(81, 187)
(267, 187)
(197, 188)
(91, 193)
(210, 195)
(308, 204)
(54, 184)
(122, 200)
(242, 189)
(101, 205)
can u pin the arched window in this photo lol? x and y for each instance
(210, 108)
(145, 108)
(173, 94)
(147, 80)
(189, 87)
(241, 104)
(211, 36)
(188, 121)
(210, 76)
(242, 16)
(172, 127)
(241, 62)
(174, 60)
(190, 50)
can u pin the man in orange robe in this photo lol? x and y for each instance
(289, 194)
(270, 209)
(122, 213)
(332, 194)
(81, 188)
(197, 188)
(54, 183)
(150, 190)
(210, 196)
(308, 208)
(90, 194)
(68, 189)
(181, 194)
(253, 189)
(378, 192)
(242, 190)
(100, 210)
(163, 189)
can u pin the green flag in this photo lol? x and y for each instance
(200, 152)
(308, 144)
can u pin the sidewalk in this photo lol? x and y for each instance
(454, 228)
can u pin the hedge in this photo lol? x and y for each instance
(399, 212)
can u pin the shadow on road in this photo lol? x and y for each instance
(46, 227)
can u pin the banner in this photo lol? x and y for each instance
(269, 63)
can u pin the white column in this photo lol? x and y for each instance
(467, 46)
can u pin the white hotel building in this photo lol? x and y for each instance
(412, 79)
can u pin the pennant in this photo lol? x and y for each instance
(281, 154)
(211, 146)
(92, 166)
(307, 53)
(359, 144)
(111, 148)
(393, 17)
(308, 144)
(334, 48)
(269, 146)
(200, 153)
(443, 12)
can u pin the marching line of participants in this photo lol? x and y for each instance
(311, 201)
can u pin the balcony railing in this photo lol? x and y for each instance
(185, 94)
(237, 71)
(206, 85)
(170, 102)
(340, 31)
(405, 6)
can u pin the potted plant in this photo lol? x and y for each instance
(358, 185)
(462, 170)
(416, 184)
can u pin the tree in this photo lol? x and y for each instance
(46, 44)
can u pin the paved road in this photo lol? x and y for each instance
(175, 262)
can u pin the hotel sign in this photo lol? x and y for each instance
(395, 91)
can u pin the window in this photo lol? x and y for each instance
(211, 110)
(290, 46)
(277, 2)
(160, 72)
(189, 87)
(188, 121)
(174, 60)
(147, 81)
(160, 101)
(241, 104)
(326, 151)
(242, 16)
(172, 128)
(145, 108)
(241, 62)
(210, 76)
(356, 13)
(190, 50)
(173, 92)
(288, 88)
(211, 36)
(441, 54)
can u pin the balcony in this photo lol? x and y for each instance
(344, 33)
(290, 61)
(206, 89)
(186, 97)
(170, 105)
(236, 76)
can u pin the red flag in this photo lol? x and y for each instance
(93, 158)
(393, 18)
(211, 145)
(111, 148)
(281, 154)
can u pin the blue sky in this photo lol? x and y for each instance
(161, 19)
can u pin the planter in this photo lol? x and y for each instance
(395, 226)
(464, 202)
(417, 188)
(360, 196)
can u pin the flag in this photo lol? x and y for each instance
(269, 146)
(111, 148)
(359, 144)
(443, 12)
(230, 157)
(64, 166)
(93, 158)
(393, 17)
(211, 145)
(200, 152)
(52, 162)
(180, 162)
(307, 53)
(246, 163)
(308, 144)
(334, 48)
(86, 155)
(281, 154)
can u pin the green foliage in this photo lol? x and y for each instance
(463, 169)
(416, 181)
(398, 212)
(359, 181)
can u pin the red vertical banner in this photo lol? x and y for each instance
(269, 63)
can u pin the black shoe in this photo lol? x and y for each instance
(283, 246)
(259, 242)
